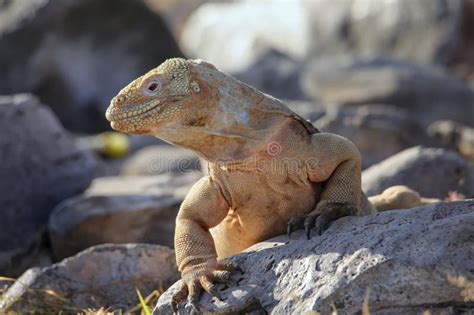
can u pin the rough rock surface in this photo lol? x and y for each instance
(379, 131)
(431, 172)
(138, 209)
(109, 42)
(428, 93)
(158, 159)
(41, 167)
(405, 261)
(102, 276)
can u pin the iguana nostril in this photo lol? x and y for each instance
(120, 99)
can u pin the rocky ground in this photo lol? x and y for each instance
(87, 218)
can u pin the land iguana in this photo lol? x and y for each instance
(269, 172)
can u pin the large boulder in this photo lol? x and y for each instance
(379, 131)
(395, 262)
(77, 54)
(431, 172)
(102, 277)
(427, 92)
(41, 167)
(134, 209)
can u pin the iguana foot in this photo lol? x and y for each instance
(201, 276)
(319, 220)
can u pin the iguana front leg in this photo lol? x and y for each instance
(203, 208)
(335, 162)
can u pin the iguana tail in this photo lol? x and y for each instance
(399, 197)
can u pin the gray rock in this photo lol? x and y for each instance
(102, 276)
(77, 54)
(308, 110)
(431, 172)
(41, 167)
(276, 74)
(233, 37)
(379, 131)
(424, 31)
(428, 93)
(404, 261)
(176, 12)
(140, 209)
(454, 135)
(158, 159)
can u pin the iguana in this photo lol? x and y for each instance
(269, 170)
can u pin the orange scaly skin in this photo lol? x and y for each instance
(270, 171)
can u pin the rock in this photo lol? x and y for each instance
(379, 131)
(158, 159)
(232, 36)
(431, 172)
(462, 63)
(404, 261)
(140, 209)
(103, 276)
(454, 135)
(41, 167)
(423, 31)
(77, 54)
(276, 74)
(308, 110)
(175, 12)
(428, 93)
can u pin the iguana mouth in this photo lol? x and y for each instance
(130, 112)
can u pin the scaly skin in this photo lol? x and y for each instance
(270, 171)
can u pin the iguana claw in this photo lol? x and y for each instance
(319, 220)
(202, 277)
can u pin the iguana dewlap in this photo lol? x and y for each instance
(269, 169)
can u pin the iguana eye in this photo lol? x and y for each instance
(195, 86)
(152, 87)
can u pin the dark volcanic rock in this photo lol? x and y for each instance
(132, 209)
(276, 74)
(40, 168)
(379, 131)
(431, 172)
(77, 54)
(427, 93)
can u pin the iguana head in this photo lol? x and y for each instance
(192, 104)
(167, 95)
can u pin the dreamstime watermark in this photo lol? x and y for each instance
(274, 148)
(180, 165)
(272, 161)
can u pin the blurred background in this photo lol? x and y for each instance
(388, 74)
